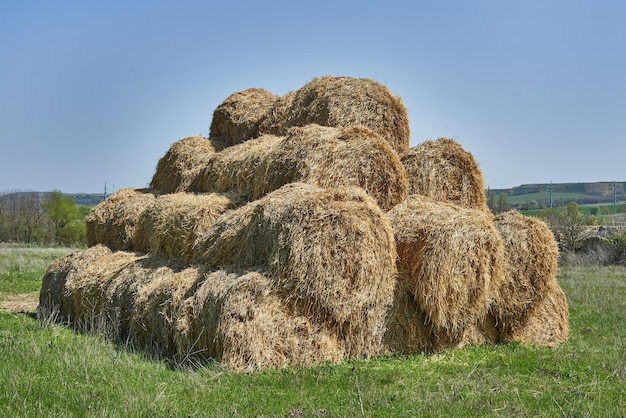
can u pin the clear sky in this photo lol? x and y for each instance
(94, 92)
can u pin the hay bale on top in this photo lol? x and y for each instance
(180, 164)
(444, 171)
(237, 319)
(530, 266)
(170, 225)
(330, 251)
(238, 117)
(114, 222)
(321, 156)
(342, 102)
(450, 257)
(547, 323)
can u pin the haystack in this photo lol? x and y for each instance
(342, 102)
(547, 323)
(171, 223)
(180, 164)
(449, 257)
(444, 171)
(114, 222)
(238, 117)
(321, 156)
(330, 251)
(237, 319)
(530, 266)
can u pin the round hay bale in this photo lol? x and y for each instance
(237, 319)
(444, 171)
(156, 304)
(530, 266)
(342, 102)
(408, 330)
(52, 306)
(321, 156)
(238, 117)
(114, 222)
(448, 256)
(547, 323)
(330, 251)
(76, 287)
(62, 277)
(179, 166)
(482, 332)
(171, 224)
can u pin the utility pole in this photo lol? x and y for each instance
(104, 197)
(614, 194)
(550, 194)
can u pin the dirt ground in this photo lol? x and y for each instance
(19, 303)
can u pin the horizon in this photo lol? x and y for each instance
(109, 192)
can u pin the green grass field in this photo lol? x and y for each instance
(544, 197)
(49, 370)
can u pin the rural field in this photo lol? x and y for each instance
(50, 370)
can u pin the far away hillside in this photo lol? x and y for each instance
(537, 196)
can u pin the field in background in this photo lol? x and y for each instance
(49, 370)
(529, 197)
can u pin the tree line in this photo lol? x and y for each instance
(36, 218)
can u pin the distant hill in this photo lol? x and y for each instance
(81, 199)
(86, 199)
(537, 196)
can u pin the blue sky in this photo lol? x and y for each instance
(95, 92)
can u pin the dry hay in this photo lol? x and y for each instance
(321, 156)
(119, 294)
(237, 319)
(159, 289)
(444, 171)
(114, 222)
(238, 117)
(449, 257)
(52, 303)
(547, 323)
(530, 266)
(74, 287)
(171, 223)
(180, 164)
(331, 251)
(481, 332)
(19, 303)
(342, 102)
(409, 331)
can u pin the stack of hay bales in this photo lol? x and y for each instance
(305, 230)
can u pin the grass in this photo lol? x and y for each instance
(49, 370)
(544, 196)
(22, 266)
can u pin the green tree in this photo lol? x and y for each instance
(68, 219)
(491, 201)
(569, 226)
(503, 205)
